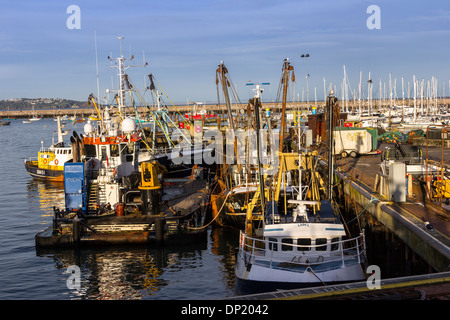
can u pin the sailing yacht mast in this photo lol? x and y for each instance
(360, 88)
(415, 91)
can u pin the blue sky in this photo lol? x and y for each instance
(184, 41)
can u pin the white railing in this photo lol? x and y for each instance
(337, 254)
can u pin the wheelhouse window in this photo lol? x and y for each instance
(114, 150)
(272, 244)
(104, 154)
(304, 244)
(321, 244)
(334, 244)
(89, 150)
(286, 244)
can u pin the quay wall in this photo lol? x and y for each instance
(429, 245)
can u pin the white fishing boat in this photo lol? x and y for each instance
(299, 250)
(303, 243)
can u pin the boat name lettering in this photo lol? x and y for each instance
(303, 225)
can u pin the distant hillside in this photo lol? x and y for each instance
(40, 103)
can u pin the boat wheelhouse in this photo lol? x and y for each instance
(49, 165)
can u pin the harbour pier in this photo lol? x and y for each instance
(382, 106)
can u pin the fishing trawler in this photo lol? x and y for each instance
(111, 198)
(237, 181)
(49, 165)
(299, 243)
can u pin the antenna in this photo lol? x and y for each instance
(258, 90)
(121, 73)
(96, 66)
(120, 39)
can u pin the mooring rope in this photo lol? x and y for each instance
(371, 200)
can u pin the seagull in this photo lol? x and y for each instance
(428, 225)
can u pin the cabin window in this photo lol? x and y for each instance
(321, 244)
(286, 244)
(334, 244)
(304, 244)
(126, 149)
(89, 150)
(114, 150)
(104, 154)
(273, 244)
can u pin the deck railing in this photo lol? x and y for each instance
(295, 257)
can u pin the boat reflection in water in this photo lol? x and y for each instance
(200, 271)
(48, 194)
(203, 270)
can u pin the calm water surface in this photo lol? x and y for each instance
(202, 271)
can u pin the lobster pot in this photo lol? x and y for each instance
(150, 199)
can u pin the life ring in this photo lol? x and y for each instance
(56, 162)
(44, 161)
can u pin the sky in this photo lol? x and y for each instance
(184, 41)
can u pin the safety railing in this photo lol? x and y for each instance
(299, 257)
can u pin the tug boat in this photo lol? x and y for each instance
(49, 164)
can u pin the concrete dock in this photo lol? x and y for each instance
(435, 286)
(421, 224)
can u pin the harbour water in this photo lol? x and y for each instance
(201, 271)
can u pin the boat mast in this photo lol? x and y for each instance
(121, 73)
(415, 102)
(222, 71)
(331, 100)
(287, 68)
(359, 97)
(258, 146)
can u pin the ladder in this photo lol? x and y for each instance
(97, 195)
